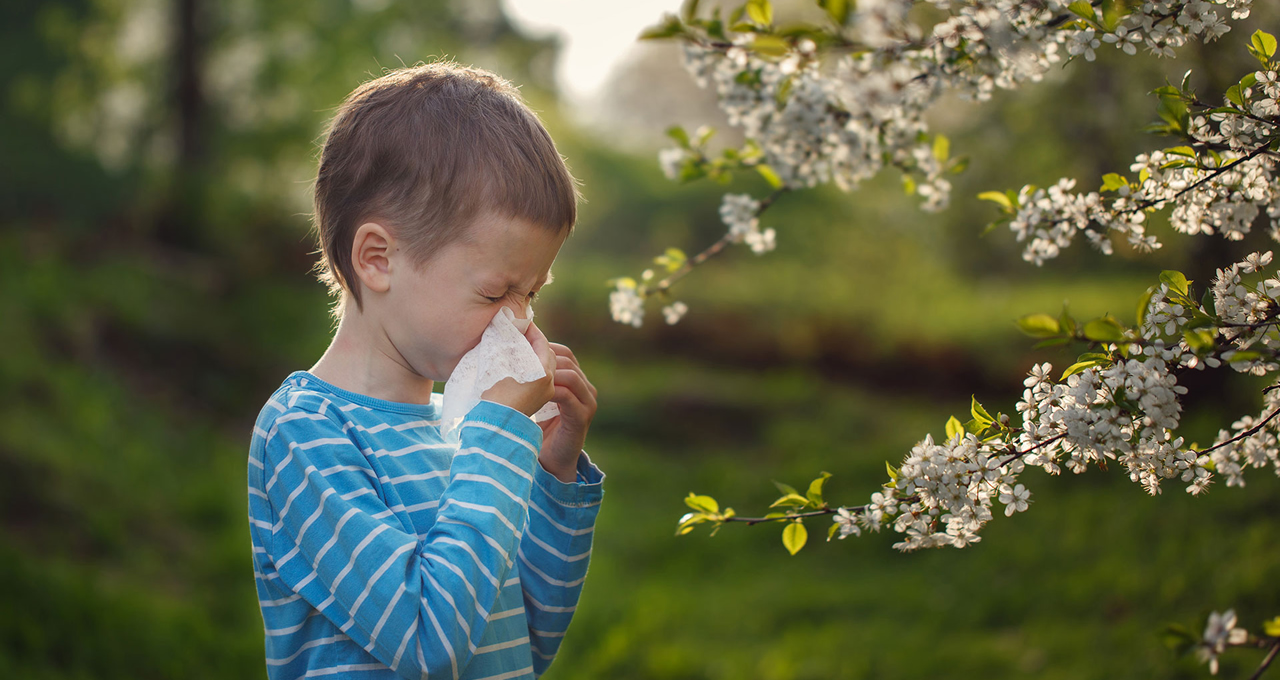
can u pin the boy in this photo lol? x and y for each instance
(382, 549)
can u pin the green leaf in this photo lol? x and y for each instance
(831, 532)
(815, 488)
(1078, 367)
(785, 488)
(1180, 151)
(1105, 329)
(677, 133)
(1208, 304)
(954, 428)
(893, 471)
(760, 11)
(1176, 281)
(908, 184)
(1235, 95)
(1082, 9)
(1262, 45)
(790, 500)
(669, 27)
(769, 175)
(1144, 303)
(1039, 325)
(1112, 181)
(838, 10)
(770, 45)
(794, 537)
(979, 413)
(998, 197)
(689, 10)
(702, 503)
(941, 148)
(960, 164)
(1271, 627)
(1113, 12)
(1199, 340)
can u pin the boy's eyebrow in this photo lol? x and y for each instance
(511, 284)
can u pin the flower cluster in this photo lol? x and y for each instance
(1219, 182)
(739, 212)
(839, 116)
(1220, 632)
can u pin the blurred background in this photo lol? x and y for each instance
(155, 167)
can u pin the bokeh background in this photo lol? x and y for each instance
(155, 288)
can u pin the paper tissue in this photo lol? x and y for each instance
(503, 352)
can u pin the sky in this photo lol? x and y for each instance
(596, 34)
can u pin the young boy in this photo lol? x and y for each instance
(382, 549)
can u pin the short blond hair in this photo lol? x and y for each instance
(424, 150)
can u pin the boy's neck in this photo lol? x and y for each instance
(362, 361)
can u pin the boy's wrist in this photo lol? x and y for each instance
(565, 473)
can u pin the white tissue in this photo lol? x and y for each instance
(503, 352)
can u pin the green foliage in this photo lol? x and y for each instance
(794, 536)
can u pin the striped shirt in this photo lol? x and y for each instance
(382, 550)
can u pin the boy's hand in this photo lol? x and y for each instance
(564, 435)
(527, 398)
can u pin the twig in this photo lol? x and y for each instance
(1271, 656)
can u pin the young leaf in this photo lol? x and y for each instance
(785, 488)
(954, 428)
(790, 500)
(941, 148)
(1262, 45)
(769, 175)
(998, 197)
(702, 503)
(1112, 182)
(1144, 303)
(1105, 329)
(1039, 325)
(831, 532)
(979, 413)
(1176, 281)
(669, 27)
(1272, 627)
(815, 488)
(794, 537)
(760, 11)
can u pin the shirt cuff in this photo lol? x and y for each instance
(506, 418)
(587, 490)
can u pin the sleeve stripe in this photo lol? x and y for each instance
(546, 607)
(546, 633)
(341, 669)
(457, 613)
(355, 554)
(567, 558)
(487, 509)
(545, 577)
(505, 614)
(561, 527)
(497, 459)
(498, 430)
(470, 588)
(487, 539)
(373, 580)
(336, 531)
(404, 642)
(414, 478)
(291, 629)
(386, 614)
(453, 659)
(509, 674)
(474, 557)
(503, 645)
(314, 643)
(486, 479)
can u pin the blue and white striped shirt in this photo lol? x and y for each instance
(382, 550)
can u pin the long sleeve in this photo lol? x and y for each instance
(417, 605)
(555, 552)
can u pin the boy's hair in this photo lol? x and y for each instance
(424, 151)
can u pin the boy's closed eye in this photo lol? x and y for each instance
(531, 297)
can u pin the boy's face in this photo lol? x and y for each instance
(435, 315)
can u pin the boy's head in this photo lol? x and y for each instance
(426, 151)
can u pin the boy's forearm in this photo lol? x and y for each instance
(567, 473)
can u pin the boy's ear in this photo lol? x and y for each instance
(371, 250)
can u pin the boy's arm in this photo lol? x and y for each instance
(554, 553)
(418, 605)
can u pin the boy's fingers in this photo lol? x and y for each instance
(564, 350)
(577, 384)
(564, 362)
